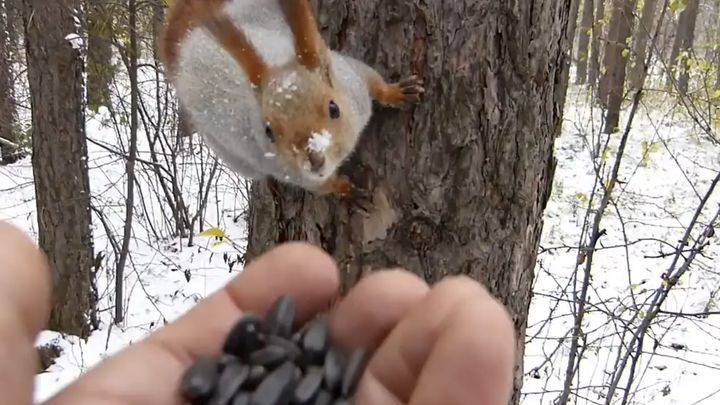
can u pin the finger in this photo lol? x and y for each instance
(374, 306)
(24, 308)
(149, 373)
(455, 347)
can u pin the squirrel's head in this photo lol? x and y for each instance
(306, 119)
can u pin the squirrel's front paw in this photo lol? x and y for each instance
(405, 92)
(344, 189)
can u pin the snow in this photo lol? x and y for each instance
(157, 290)
(75, 40)
(319, 141)
(655, 202)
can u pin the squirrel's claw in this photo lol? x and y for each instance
(408, 91)
(344, 189)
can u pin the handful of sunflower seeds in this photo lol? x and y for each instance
(266, 362)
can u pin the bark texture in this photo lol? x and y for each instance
(8, 112)
(586, 26)
(596, 47)
(684, 39)
(612, 82)
(570, 40)
(55, 74)
(459, 184)
(641, 39)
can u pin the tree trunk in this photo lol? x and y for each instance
(99, 63)
(615, 61)
(459, 184)
(597, 33)
(13, 26)
(586, 25)
(8, 112)
(131, 61)
(55, 74)
(683, 44)
(640, 44)
(570, 40)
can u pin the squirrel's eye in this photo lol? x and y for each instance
(269, 133)
(334, 110)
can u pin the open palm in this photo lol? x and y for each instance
(451, 344)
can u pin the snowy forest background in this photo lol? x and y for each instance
(635, 270)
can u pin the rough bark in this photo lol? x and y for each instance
(13, 27)
(99, 66)
(459, 184)
(8, 112)
(636, 75)
(684, 39)
(158, 19)
(615, 61)
(586, 26)
(55, 74)
(596, 47)
(570, 39)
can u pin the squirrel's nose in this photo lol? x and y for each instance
(317, 160)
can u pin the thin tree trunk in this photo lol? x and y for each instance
(615, 61)
(99, 63)
(8, 111)
(158, 19)
(640, 44)
(14, 25)
(586, 26)
(460, 183)
(131, 62)
(570, 40)
(55, 73)
(596, 47)
(683, 44)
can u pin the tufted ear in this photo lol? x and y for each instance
(233, 41)
(310, 48)
(183, 16)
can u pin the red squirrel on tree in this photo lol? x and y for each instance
(267, 95)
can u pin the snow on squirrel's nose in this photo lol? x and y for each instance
(319, 141)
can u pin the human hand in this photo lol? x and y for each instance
(450, 344)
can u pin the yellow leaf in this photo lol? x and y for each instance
(213, 232)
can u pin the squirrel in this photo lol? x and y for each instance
(266, 93)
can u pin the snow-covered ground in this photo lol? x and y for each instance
(667, 168)
(655, 202)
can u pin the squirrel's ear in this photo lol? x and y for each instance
(310, 48)
(234, 42)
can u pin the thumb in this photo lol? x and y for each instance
(24, 308)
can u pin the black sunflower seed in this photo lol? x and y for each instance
(255, 377)
(323, 398)
(281, 317)
(316, 340)
(293, 350)
(244, 338)
(270, 357)
(241, 398)
(276, 388)
(333, 368)
(229, 383)
(355, 367)
(308, 388)
(199, 381)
